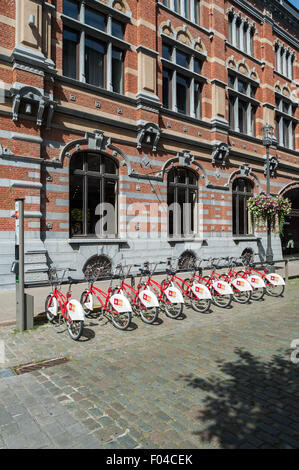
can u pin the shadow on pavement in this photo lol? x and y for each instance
(254, 404)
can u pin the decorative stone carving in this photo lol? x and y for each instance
(148, 133)
(97, 141)
(220, 154)
(32, 97)
(185, 158)
(245, 170)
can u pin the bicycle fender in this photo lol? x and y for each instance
(89, 302)
(120, 303)
(75, 310)
(200, 291)
(54, 308)
(222, 287)
(148, 298)
(174, 295)
(275, 279)
(241, 284)
(256, 281)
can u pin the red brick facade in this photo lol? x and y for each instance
(33, 146)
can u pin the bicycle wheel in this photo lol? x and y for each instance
(199, 305)
(48, 307)
(75, 328)
(242, 296)
(84, 300)
(258, 293)
(149, 315)
(172, 310)
(122, 320)
(274, 291)
(222, 301)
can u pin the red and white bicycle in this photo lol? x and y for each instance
(61, 307)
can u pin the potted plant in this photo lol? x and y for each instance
(264, 207)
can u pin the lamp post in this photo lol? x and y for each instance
(268, 131)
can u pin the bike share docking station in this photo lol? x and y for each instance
(24, 302)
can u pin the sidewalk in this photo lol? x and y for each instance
(8, 298)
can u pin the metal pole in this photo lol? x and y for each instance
(269, 252)
(20, 313)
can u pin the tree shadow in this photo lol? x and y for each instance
(254, 406)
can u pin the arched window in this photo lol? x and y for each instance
(242, 191)
(93, 180)
(182, 194)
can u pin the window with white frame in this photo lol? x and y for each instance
(242, 104)
(93, 45)
(189, 9)
(285, 122)
(182, 79)
(241, 33)
(284, 59)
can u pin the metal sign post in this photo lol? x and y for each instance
(19, 255)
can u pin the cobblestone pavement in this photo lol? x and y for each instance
(217, 380)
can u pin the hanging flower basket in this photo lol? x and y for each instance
(264, 207)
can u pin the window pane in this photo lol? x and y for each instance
(187, 8)
(241, 207)
(197, 100)
(285, 107)
(182, 59)
(117, 70)
(117, 29)
(170, 177)
(176, 4)
(181, 175)
(94, 162)
(166, 52)
(242, 86)
(166, 88)
(192, 178)
(197, 66)
(70, 44)
(110, 197)
(197, 11)
(235, 214)
(242, 116)
(182, 94)
(109, 166)
(170, 200)
(76, 205)
(95, 19)
(77, 161)
(93, 199)
(231, 113)
(252, 91)
(231, 81)
(286, 132)
(71, 8)
(253, 120)
(94, 62)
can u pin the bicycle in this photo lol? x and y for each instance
(198, 294)
(170, 298)
(241, 287)
(273, 283)
(116, 304)
(221, 291)
(59, 305)
(143, 301)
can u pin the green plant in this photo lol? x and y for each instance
(264, 207)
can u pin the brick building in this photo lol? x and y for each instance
(148, 102)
